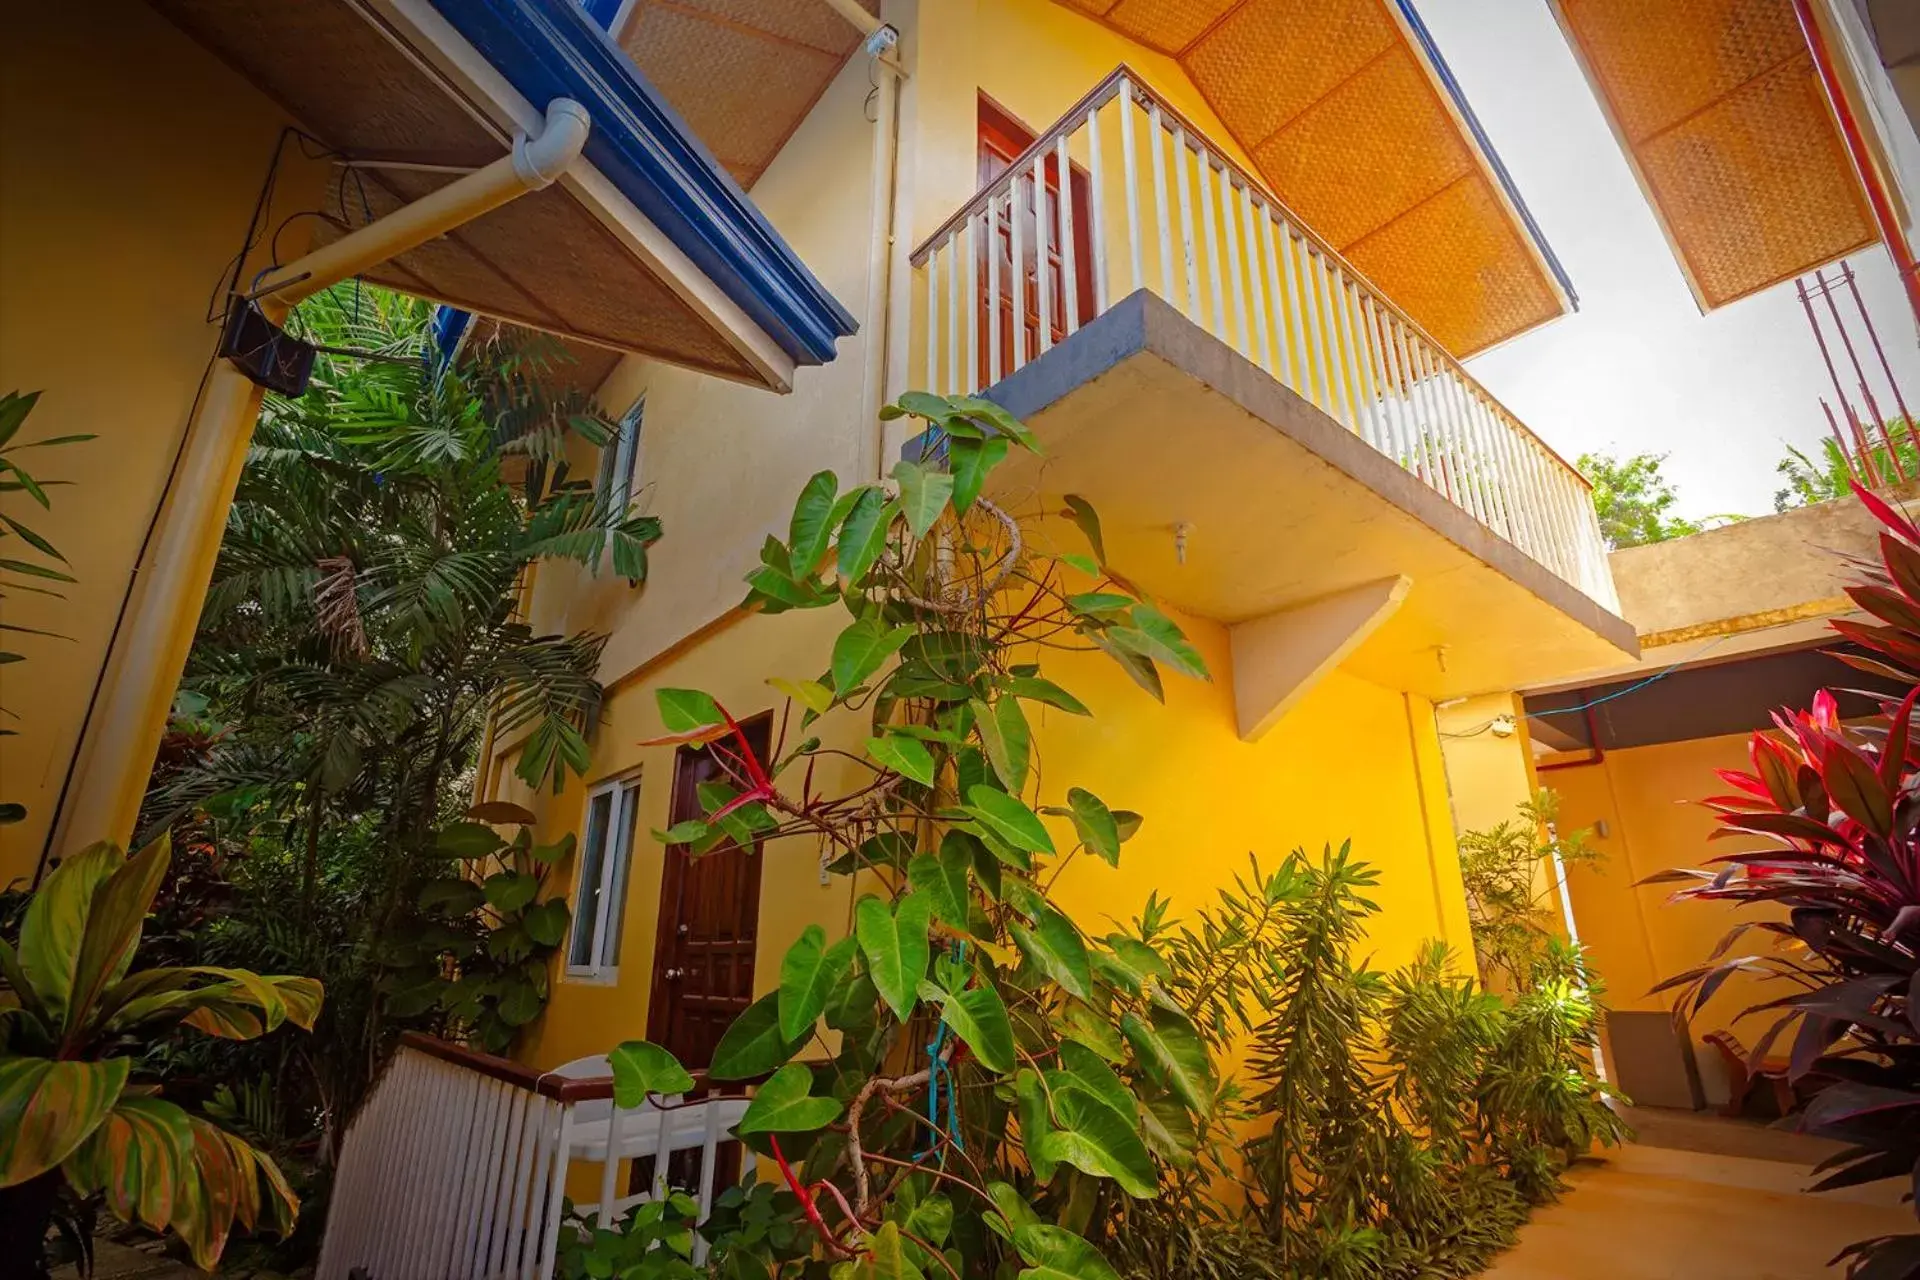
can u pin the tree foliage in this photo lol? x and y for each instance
(1002, 1077)
(1827, 474)
(1508, 874)
(1634, 500)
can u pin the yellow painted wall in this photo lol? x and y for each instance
(1354, 760)
(130, 160)
(1488, 777)
(1647, 798)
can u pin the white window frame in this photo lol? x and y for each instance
(620, 457)
(614, 872)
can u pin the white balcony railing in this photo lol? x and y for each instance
(1135, 198)
(457, 1166)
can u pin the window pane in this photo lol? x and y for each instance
(622, 859)
(586, 906)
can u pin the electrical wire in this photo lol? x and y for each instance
(1637, 685)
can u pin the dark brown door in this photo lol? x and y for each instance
(709, 915)
(1002, 139)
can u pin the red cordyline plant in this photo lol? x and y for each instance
(1834, 809)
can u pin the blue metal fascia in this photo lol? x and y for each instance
(551, 49)
(1459, 96)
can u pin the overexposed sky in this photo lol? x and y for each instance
(1638, 368)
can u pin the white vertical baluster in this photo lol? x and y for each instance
(610, 1167)
(709, 1157)
(1253, 216)
(1208, 212)
(1359, 390)
(1536, 494)
(1512, 496)
(1128, 165)
(1479, 459)
(397, 1206)
(1367, 351)
(1278, 275)
(1156, 140)
(470, 1173)
(487, 1188)
(450, 1146)
(1181, 162)
(540, 1188)
(1422, 461)
(557, 1194)
(1096, 166)
(1069, 263)
(1563, 509)
(970, 379)
(1042, 252)
(933, 319)
(663, 1152)
(512, 1142)
(1017, 313)
(954, 377)
(1340, 390)
(529, 1114)
(1313, 369)
(993, 289)
(1447, 481)
(1232, 196)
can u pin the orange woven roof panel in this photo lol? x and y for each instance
(1352, 121)
(1719, 108)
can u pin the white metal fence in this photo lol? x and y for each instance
(456, 1167)
(1123, 193)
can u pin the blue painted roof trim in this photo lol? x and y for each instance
(1459, 96)
(551, 49)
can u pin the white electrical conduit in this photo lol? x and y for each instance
(116, 750)
(534, 162)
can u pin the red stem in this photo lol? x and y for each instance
(804, 1196)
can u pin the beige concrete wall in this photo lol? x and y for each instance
(1771, 568)
(130, 160)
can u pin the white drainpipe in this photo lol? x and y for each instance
(110, 765)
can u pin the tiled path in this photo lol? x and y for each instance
(1656, 1213)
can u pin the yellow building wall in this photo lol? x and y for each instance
(130, 160)
(1352, 761)
(1488, 776)
(1644, 805)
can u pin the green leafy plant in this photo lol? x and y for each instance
(1635, 501)
(487, 966)
(1508, 874)
(1002, 1078)
(40, 565)
(76, 1017)
(1827, 820)
(1827, 475)
(363, 636)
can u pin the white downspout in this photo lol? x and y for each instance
(115, 754)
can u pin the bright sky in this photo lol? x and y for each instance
(1638, 368)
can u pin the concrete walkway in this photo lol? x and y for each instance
(1657, 1213)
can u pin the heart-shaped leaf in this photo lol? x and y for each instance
(1173, 1055)
(924, 493)
(1009, 819)
(1009, 742)
(1055, 1253)
(971, 460)
(1093, 1137)
(862, 649)
(641, 1068)
(784, 1105)
(905, 756)
(944, 880)
(1035, 1123)
(753, 1045)
(979, 1017)
(1054, 947)
(1081, 1068)
(685, 710)
(864, 535)
(895, 942)
(1094, 821)
(808, 976)
(1034, 689)
(812, 525)
(810, 694)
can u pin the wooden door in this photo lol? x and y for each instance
(1002, 140)
(709, 915)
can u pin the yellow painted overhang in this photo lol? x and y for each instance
(1721, 112)
(743, 74)
(1353, 122)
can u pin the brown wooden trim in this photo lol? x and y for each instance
(521, 1076)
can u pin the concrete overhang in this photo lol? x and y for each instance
(645, 244)
(1160, 426)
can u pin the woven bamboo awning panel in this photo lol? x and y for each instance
(743, 74)
(1719, 108)
(1341, 112)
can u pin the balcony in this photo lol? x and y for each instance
(1259, 426)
